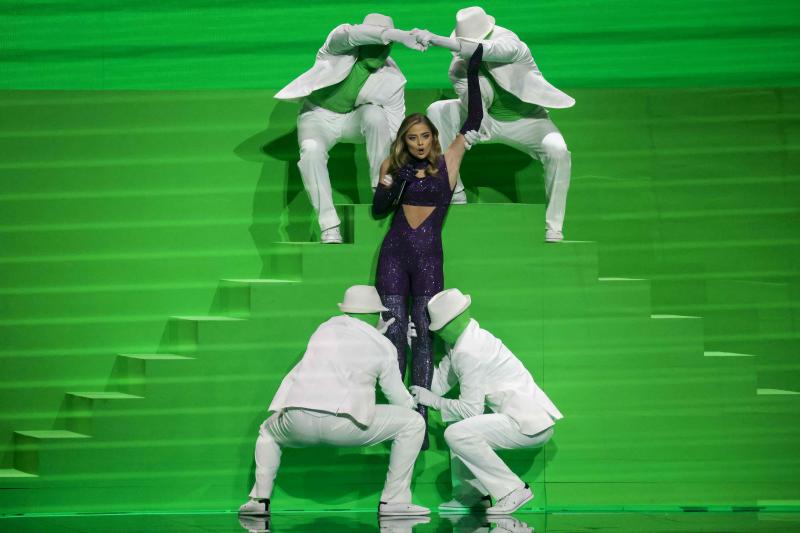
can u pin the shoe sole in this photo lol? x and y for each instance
(252, 513)
(509, 511)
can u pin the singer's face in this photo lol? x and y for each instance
(419, 139)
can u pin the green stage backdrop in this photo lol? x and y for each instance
(157, 279)
(213, 44)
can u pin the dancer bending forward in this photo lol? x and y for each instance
(488, 375)
(353, 94)
(419, 179)
(328, 399)
(516, 97)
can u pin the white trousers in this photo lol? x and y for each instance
(301, 428)
(476, 469)
(318, 130)
(537, 137)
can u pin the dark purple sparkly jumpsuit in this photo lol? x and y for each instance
(411, 262)
(411, 259)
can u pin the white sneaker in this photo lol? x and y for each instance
(402, 509)
(456, 506)
(459, 197)
(552, 235)
(255, 508)
(331, 236)
(512, 501)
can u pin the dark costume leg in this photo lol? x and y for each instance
(397, 332)
(422, 350)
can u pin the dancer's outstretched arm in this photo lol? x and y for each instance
(348, 36)
(391, 384)
(471, 398)
(468, 134)
(444, 377)
(501, 50)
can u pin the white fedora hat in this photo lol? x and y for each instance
(376, 19)
(445, 306)
(361, 299)
(473, 23)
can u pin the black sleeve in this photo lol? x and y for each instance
(474, 104)
(386, 199)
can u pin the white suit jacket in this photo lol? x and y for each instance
(384, 87)
(512, 66)
(490, 375)
(337, 374)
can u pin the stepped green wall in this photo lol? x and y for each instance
(122, 212)
(193, 44)
(123, 209)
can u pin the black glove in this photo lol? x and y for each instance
(474, 104)
(386, 199)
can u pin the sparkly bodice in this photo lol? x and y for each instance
(430, 190)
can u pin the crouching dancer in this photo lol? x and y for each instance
(488, 374)
(328, 399)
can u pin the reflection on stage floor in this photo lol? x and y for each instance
(620, 522)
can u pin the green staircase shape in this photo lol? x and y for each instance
(757, 317)
(653, 418)
(41, 452)
(634, 341)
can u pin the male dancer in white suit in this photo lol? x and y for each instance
(488, 375)
(328, 399)
(515, 96)
(353, 94)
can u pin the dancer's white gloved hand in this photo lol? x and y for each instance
(426, 397)
(424, 37)
(414, 403)
(411, 332)
(430, 38)
(405, 38)
(383, 326)
(471, 138)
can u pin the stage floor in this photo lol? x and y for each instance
(621, 522)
